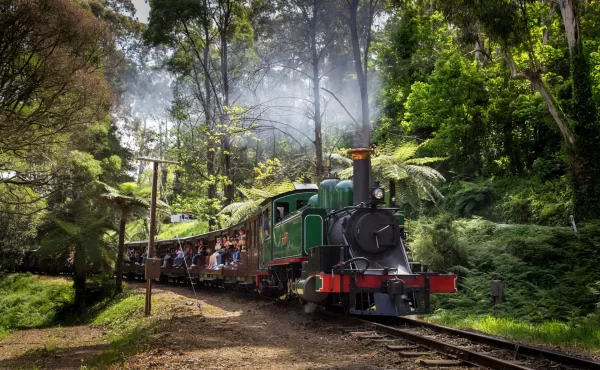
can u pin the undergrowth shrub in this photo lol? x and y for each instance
(512, 200)
(28, 301)
(438, 244)
(471, 197)
(550, 273)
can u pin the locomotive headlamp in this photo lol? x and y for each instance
(377, 193)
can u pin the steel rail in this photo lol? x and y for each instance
(472, 357)
(516, 348)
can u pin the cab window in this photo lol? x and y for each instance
(282, 210)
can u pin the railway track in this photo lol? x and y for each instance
(438, 346)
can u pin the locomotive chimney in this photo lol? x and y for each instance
(362, 174)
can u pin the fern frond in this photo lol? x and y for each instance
(340, 160)
(422, 161)
(69, 227)
(232, 208)
(403, 153)
(246, 210)
(254, 193)
(424, 171)
(347, 173)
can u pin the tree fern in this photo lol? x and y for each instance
(87, 236)
(127, 204)
(242, 210)
(415, 181)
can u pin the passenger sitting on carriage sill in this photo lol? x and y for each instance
(168, 260)
(186, 257)
(197, 255)
(213, 261)
(178, 259)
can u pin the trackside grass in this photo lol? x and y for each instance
(583, 334)
(126, 325)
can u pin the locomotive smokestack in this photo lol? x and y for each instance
(362, 174)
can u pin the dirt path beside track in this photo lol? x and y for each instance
(228, 331)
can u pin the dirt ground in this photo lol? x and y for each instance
(225, 331)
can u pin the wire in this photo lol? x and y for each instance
(163, 187)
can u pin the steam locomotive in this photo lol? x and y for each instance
(335, 245)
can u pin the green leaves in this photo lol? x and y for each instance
(86, 231)
(239, 211)
(415, 181)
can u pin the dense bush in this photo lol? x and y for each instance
(550, 273)
(512, 200)
(28, 301)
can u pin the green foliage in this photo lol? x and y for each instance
(138, 230)
(512, 200)
(550, 272)
(450, 110)
(169, 231)
(88, 232)
(471, 197)
(30, 301)
(437, 244)
(240, 211)
(415, 181)
(119, 316)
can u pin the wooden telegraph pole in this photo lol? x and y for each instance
(152, 264)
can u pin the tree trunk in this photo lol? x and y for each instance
(365, 135)
(480, 54)
(316, 92)
(536, 82)
(548, 23)
(211, 165)
(79, 272)
(228, 187)
(568, 10)
(142, 151)
(120, 253)
(177, 184)
(584, 117)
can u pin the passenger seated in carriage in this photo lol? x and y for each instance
(137, 259)
(234, 251)
(69, 262)
(198, 255)
(168, 261)
(215, 259)
(239, 248)
(186, 260)
(178, 258)
(128, 257)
